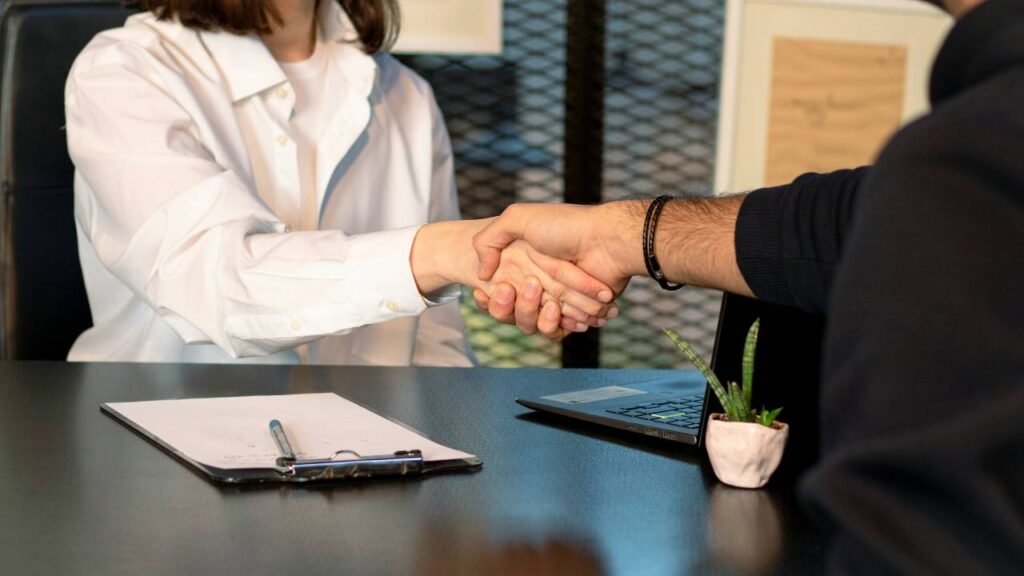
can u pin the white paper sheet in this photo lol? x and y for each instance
(235, 432)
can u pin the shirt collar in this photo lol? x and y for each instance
(985, 42)
(343, 40)
(248, 67)
(244, 61)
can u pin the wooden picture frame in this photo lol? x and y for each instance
(450, 27)
(818, 85)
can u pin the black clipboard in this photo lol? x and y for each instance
(343, 464)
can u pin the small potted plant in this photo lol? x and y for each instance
(745, 446)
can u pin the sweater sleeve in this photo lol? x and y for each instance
(788, 238)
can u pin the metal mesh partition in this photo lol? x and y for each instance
(506, 116)
(661, 101)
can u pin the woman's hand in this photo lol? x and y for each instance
(530, 313)
(544, 300)
(442, 254)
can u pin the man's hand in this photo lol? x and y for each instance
(547, 294)
(442, 254)
(602, 240)
(694, 243)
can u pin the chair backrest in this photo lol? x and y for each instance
(787, 368)
(43, 306)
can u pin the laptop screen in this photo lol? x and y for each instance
(787, 368)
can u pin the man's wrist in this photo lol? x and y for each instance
(622, 229)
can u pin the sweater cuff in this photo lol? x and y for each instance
(759, 245)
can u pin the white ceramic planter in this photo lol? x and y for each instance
(744, 454)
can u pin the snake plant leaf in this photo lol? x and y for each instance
(767, 417)
(696, 360)
(734, 399)
(742, 408)
(749, 347)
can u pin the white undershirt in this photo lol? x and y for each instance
(309, 80)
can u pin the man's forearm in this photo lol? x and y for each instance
(694, 241)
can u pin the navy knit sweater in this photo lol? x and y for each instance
(918, 263)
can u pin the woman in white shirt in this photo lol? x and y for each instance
(257, 184)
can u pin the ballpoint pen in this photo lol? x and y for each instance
(283, 446)
(399, 463)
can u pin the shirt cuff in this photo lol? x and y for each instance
(445, 295)
(379, 266)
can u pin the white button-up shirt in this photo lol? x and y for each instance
(184, 166)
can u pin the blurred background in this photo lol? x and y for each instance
(637, 119)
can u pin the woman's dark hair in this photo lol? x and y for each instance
(376, 21)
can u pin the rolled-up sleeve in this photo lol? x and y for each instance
(789, 238)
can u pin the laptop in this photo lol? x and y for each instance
(672, 408)
(675, 407)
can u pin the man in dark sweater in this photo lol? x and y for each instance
(918, 262)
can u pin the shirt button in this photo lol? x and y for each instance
(282, 92)
(392, 305)
(296, 326)
(282, 140)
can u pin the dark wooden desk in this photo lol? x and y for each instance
(80, 494)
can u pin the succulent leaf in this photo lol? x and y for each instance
(734, 399)
(742, 408)
(749, 347)
(696, 360)
(767, 417)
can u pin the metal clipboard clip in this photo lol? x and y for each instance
(402, 463)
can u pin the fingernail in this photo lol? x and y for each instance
(581, 327)
(532, 289)
(613, 312)
(505, 294)
(604, 296)
(601, 322)
(551, 312)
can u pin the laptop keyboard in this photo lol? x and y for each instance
(681, 412)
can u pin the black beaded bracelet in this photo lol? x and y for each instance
(650, 223)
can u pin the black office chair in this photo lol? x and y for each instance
(43, 305)
(787, 369)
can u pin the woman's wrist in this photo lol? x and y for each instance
(442, 254)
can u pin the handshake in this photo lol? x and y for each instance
(558, 268)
